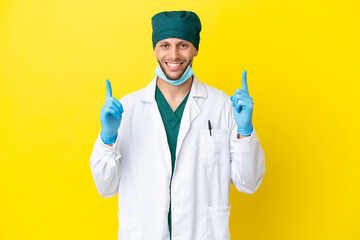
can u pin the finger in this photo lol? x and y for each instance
(119, 105)
(245, 105)
(111, 111)
(121, 108)
(238, 97)
(239, 105)
(118, 111)
(233, 97)
(241, 92)
(116, 107)
(243, 95)
(244, 81)
(108, 89)
(116, 102)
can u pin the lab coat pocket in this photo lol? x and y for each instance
(217, 223)
(129, 228)
(214, 149)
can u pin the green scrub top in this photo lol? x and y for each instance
(171, 122)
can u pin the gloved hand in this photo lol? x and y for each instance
(110, 116)
(243, 108)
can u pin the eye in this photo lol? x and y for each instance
(163, 45)
(183, 45)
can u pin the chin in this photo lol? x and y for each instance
(173, 78)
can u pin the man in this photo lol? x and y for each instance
(172, 149)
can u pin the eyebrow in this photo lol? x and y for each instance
(181, 42)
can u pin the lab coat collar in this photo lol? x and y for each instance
(197, 90)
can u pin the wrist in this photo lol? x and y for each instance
(242, 136)
(106, 139)
(245, 131)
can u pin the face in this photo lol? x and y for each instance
(174, 55)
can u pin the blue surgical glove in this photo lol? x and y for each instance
(243, 108)
(110, 116)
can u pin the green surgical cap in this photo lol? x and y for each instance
(176, 24)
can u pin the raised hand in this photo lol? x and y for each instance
(110, 116)
(243, 108)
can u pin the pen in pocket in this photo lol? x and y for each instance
(209, 125)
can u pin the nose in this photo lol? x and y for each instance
(174, 53)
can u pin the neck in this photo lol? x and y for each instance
(174, 94)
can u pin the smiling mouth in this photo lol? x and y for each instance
(173, 66)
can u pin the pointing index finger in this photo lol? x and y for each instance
(244, 82)
(108, 89)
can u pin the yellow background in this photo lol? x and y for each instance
(302, 59)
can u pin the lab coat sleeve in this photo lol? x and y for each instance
(247, 160)
(105, 167)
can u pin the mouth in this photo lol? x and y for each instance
(174, 65)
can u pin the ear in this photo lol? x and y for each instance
(196, 53)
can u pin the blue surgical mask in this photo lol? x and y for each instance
(187, 74)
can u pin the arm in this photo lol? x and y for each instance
(246, 155)
(105, 158)
(105, 167)
(247, 162)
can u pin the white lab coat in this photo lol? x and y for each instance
(138, 167)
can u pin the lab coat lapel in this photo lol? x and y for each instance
(148, 96)
(191, 111)
(156, 120)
